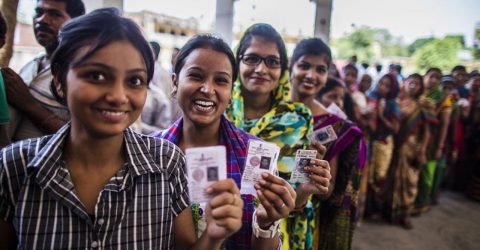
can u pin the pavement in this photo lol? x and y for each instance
(452, 224)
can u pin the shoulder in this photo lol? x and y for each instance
(163, 152)
(15, 158)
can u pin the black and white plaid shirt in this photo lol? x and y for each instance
(135, 210)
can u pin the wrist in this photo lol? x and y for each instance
(209, 242)
(264, 223)
(267, 233)
(302, 198)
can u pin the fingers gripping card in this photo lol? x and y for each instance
(205, 165)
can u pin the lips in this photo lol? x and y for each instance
(203, 105)
(308, 84)
(113, 115)
(43, 29)
(259, 80)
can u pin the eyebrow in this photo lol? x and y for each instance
(50, 10)
(106, 67)
(198, 68)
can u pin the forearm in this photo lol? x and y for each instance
(44, 119)
(444, 130)
(301, 200)
(426, 138)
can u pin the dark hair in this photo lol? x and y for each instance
(350, 66)
(420, 79)
(459, 67)
(205, 41)
(394, 88)
(74, 8)
(349, 107)
(311, 46)
(331, 83)
(155, 48)
(3, 26)
(96, 30)
(267, 32)
(434, 69)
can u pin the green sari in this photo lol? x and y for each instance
(435, 104)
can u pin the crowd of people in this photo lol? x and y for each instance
(94, 131)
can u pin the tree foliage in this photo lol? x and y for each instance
(417, 44)
(369, 44)
(440, 53)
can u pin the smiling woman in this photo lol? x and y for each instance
(261, 106)
(204, 71)
(96, 176)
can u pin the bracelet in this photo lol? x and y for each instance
(261, 233)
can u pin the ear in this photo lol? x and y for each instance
(58, 87)
(174, 85)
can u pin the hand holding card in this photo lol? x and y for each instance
(318, 172)
(277, 199)
(224, 211)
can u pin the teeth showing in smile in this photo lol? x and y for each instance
(309, 84)
(204, 105)
(113, 113)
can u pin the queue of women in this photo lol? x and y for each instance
(97, 183)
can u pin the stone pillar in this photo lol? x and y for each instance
(323, 15)
(224, 20)
(96, 4)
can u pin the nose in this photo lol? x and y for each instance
(310, 73)
(207, 87)
(117, 94)
(261, 67)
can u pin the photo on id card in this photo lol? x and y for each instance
(205, 165)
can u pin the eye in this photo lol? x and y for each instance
(195, 76)
(222, 80)
(303, 66)
(321, 70)
(96, 76)
(251, 59)
(273, 62)
(136, 81)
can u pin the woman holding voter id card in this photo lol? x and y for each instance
(335, 214)
(261, 106)
(203, 78)
(96, 183)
